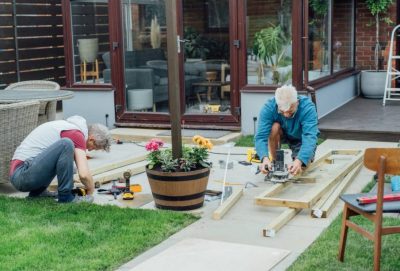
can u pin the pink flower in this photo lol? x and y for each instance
(154, 144)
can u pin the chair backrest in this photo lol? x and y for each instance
(372, 159)
(34, 84)
(17, 120)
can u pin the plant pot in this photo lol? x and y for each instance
(179, 191)
(88, 49)
(373, 84)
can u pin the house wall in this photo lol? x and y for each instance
(365, 36)
(92, 105)
(344, 91)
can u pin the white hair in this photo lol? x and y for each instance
(285, 96)
(101, 136)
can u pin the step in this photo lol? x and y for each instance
(143, 135)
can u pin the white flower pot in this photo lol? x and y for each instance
(373, 84)
(88, 49)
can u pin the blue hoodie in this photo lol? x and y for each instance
(303, 126)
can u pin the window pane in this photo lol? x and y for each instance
(90, 39)
(342, 34)
(318, 27)
(206, 50)
(145, 52)
(269, 42)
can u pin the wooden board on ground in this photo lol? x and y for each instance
(324, 206)
(327, 176)
(279, 222)
(110, 175)
(335, 169)
(227, 204)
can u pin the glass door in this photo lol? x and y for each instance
(205, 38)
(144, 56)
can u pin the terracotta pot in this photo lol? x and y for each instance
(178, 191)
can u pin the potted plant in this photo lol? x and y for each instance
(318, 31)
(178, 183)
(373, 81)
(270, 45)
(195, 45)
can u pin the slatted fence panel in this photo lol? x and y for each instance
(31, 41)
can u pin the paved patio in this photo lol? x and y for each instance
(243, 224)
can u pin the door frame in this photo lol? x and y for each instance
(159, 119)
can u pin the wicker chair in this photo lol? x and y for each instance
(47, 110)
(17, 120)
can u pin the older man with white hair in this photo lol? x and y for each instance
(50, 150)
(287, 118)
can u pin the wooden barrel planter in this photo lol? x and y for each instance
(178, 191)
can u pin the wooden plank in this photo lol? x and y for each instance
(118, 164)
(107, 177)
(325, 205)
(273, 190)
(313, 195)
(275, 225)
(282, 202)
(227, 204)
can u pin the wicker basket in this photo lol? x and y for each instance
(47, 110)
(17, 120)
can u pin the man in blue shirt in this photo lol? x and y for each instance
(290, 118)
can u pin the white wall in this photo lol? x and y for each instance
(328, 98)
(92, 105)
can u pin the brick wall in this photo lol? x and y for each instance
(365, 36)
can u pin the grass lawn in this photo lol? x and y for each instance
(44, 235)
(248, 141)
(322, 254)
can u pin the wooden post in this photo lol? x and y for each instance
(173, 79)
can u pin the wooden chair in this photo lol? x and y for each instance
(384, 161)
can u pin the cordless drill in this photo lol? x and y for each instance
(127, 194)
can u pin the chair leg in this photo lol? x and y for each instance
(343, 234)
(377, 242)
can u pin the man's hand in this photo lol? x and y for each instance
(83, 170)
(266, 163)
(295, 168)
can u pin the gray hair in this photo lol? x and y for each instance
(101, 136)
(285, 96)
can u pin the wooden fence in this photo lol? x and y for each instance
(31, 41)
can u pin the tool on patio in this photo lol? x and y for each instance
(79, 191)
(127, 194)
(115, 191)
(229, 145)
(279, 172)
(392, 73)
(373, 199)
(252, 156)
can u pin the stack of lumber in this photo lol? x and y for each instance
(107, 172)
(332, 173)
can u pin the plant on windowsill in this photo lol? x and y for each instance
(270, 45)
(178, 184)
(373, 81)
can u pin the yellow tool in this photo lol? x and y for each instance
(252, 156)
(128, 193)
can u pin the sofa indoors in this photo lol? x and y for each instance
(148, 68)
